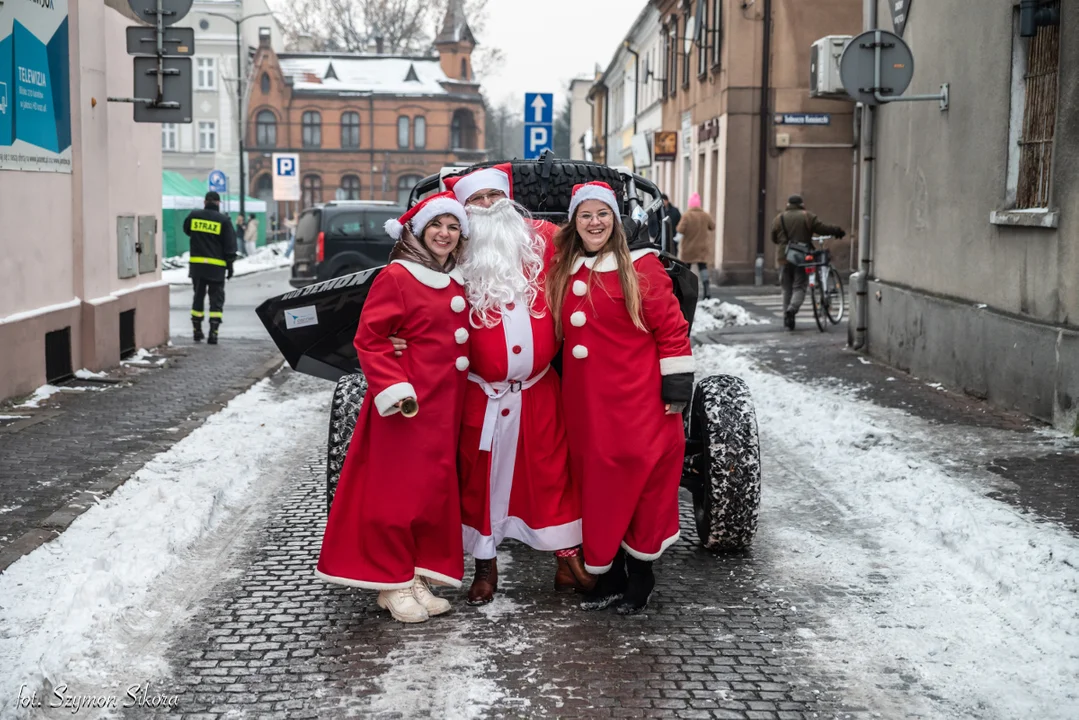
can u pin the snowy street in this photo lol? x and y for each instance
(892, 576)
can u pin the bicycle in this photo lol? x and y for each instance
(825, 289)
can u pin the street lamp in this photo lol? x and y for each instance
(240, 120)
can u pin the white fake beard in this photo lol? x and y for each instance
(501, 262)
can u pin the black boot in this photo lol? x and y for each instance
(638, 588)
(609, 586)
(212, 339)
(197, 325)
(788, 320)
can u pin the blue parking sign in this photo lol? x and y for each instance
(539, 124)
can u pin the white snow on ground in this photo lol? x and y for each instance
(88, 374)
(713, 314)
(40, 395)
(267, 257)
(980, 603)
(65, 608)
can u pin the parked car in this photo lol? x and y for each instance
(722, 466)
(340, 238)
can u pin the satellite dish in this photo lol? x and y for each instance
(858, 67)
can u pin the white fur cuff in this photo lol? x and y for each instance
(677, 365)
(593, 192)
(386, 400)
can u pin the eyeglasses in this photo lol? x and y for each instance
(489, 195)
(602, 216)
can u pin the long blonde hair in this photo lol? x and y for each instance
(569, 247)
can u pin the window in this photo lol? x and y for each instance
(402, 132)
(312, 129)
(350, 130)
(464, 68)
(672, 60)
(311, 190)
(685, 53)
(264, 84)
(168, 136)
(1035, 77)
(350, 188)
(702, 41)
(265, 129)
(419, 133)
(463, 130)
(207, 136)
(206, 73)
(717, 31)
(404, 188)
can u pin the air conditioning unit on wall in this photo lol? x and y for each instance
(824, 78)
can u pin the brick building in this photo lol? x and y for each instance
(366, 126)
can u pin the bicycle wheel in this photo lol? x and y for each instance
(817, 294)
(835, 297)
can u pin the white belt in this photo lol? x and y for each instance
(496, 391)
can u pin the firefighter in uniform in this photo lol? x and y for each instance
(213, 249)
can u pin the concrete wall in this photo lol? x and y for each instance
(580, 116)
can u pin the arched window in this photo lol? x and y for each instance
(404, 188)
(419, 133)
(463, 130)
(350, 130)
(402, 132)
(464, 68)
(312, 190)
(312, 129)
(265, 129)
(264, 84)
(350, 188)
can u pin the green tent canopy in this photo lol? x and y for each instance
(179, 196)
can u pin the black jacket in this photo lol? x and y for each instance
(213, 244)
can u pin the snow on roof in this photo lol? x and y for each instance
(365, 74)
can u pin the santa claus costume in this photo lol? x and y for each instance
(513, 458)
(617, 382)
(395, 525)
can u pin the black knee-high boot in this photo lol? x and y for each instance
(196, 324)
(639, 587)
(609, 586)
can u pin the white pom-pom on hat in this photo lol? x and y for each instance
(394, 228)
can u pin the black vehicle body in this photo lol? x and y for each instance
(340, 238)
(722, 460)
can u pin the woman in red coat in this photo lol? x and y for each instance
(626, 374)
(395, 523)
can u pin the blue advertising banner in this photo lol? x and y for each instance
(35, 100)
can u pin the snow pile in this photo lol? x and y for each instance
(713, 314)
(978, 603)
(267, 257)
(88, 374)
(40, 395)
(66, 608)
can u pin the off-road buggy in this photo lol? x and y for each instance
(314, 328)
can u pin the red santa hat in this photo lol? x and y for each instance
(496, 177)
(593, 191)
(424, 212)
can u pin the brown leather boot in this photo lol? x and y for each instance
(484, 584)
(571, 575)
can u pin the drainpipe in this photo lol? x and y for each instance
(636, 81)
(762, 200)
(371, 132)
(865, 226)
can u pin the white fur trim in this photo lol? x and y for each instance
(461, 336)
(608, 262)
(457, 304)
(649, 557)
(549, 539)
(427, 276)
(579, 288)
(364, 584)
(432, 209)
(578, 319)
(438, 578)
(394, 228)
(388, 398)
(580, 352)
(456, 276)
(486, 179)
(462, 363)
(594, 192)
(677, 365)
(598, 569)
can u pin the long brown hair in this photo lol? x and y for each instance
(413, 249)
(569, 247)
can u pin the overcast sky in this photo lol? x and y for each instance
(547, 43)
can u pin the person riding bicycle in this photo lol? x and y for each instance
(796, 226)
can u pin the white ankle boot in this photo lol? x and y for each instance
(432, 603)
(402, 605)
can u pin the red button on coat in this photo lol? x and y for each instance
(506, 412)
(516, 349)
(510, 306)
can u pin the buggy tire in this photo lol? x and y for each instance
(528, 183)
(727, 501)
(345, 408)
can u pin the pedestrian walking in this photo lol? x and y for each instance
(793, 230)
(698, 245)
(626, 375)
(395, 522)
(240, 225)
(674, 216)
(290, 228)
(251, 234)
(213, 250)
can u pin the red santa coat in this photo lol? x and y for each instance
(396, 513)
(513, 457)
(625, 450)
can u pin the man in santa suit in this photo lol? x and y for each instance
(513, 458)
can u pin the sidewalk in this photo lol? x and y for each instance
(267, 257)
(81, 443)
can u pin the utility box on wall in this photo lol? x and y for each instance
(127, 256)
(147, 247)
(824, 78)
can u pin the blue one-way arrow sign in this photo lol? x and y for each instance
(539, 124)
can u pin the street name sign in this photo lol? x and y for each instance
(286, 177)
(804, 119)
(539, 124)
